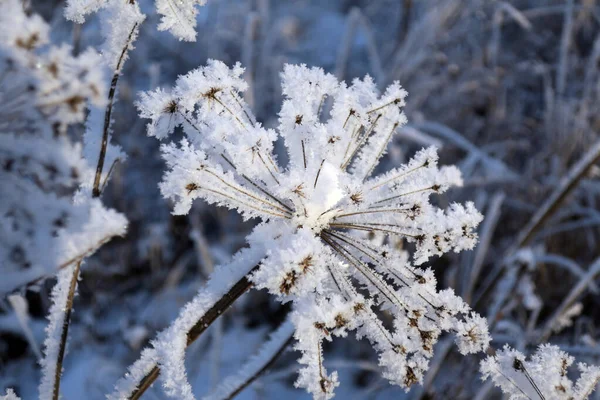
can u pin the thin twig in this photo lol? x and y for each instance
(108, 112)
(65, 332)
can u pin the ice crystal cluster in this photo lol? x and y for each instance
(43, 91)
(318, 210)
(543, 376)
(177, 16)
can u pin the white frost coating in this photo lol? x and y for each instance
(172, 342)
(56, 317)
(255, 364)
(10, 395)
(177, 16)
(78, 10)
(126, 385)
(42, 227)
(318, 211)
(169, 346)
(21, 308)
(101, 225)
(120, 21)
(544, 375)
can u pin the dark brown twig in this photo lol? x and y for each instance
(107, 114)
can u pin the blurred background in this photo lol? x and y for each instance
(508, 90)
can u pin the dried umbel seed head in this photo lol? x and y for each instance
(190, 187)
(171, 107)
(340, 321)
(306, 263)
(410, 377)
(357, 198)
(288, 283)
(212, 93)
(333, 228)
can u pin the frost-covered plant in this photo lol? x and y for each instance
(317, 210)
(177, 16)
(10, 395)
(49, 224)
(544, 376)
(43, 90)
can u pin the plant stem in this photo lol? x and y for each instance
(107, 114)
(65, 331)
(239, 288)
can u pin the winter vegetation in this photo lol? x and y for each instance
(199, 196)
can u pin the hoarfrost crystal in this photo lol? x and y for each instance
(177, 16)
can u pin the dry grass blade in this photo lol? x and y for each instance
(485, 238)
(107, 115)
(583, 283)
(552, 205)
(355, 20)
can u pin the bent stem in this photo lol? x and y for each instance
(220, 306)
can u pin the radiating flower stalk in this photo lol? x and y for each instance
(318, 211)
(341, 241)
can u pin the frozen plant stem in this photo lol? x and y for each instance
(107, 114)
(201, 325)
(65, 331)
(95, 193)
